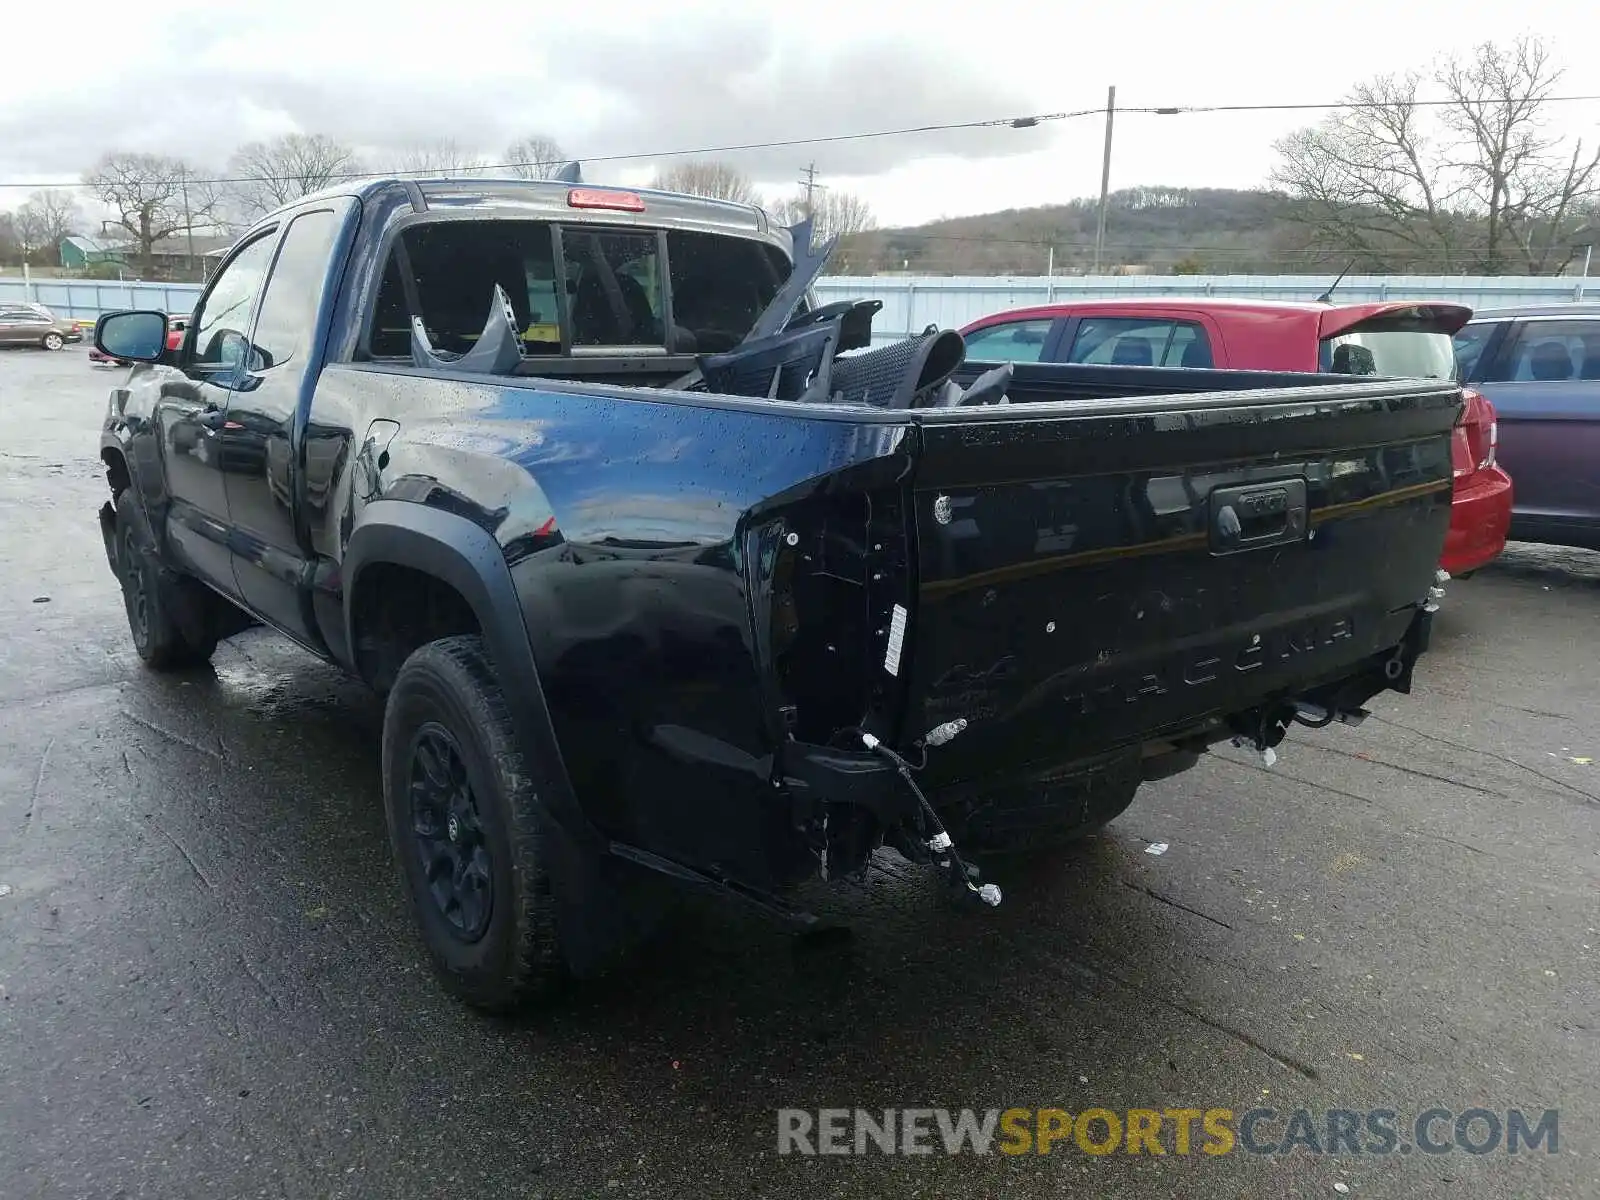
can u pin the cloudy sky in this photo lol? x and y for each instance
(627, 78)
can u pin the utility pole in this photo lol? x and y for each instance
(188, 221)
(811, 185)
(1105, 179)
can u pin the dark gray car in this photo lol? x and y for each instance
(1540, 367)
(25, 326)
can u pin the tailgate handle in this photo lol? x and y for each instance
(1258, 514)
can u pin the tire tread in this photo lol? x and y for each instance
(534, 963)
(169, 649)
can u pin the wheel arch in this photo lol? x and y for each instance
(119, 471)
(463, 557)
(466, 558)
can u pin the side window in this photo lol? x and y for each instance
(223, 318)
(1189, 347)
(1552, 352)
(1013, 341)
(1140, 342)
(614, 287)
(294, 292)
(1469, 343)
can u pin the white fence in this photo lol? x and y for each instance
(912, 302)
(86, 299)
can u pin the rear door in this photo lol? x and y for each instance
(1094, 572)
(1543, 377)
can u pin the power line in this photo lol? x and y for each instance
(1022, 122)
(1186, 109)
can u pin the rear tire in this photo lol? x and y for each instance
(468, 829)
(152, 595)
(53, 341)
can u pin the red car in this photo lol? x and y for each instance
(175, 330)
(1394, 338)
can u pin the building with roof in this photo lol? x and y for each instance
(79, 253)
(179, 257)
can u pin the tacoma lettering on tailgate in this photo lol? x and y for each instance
(1210, 665)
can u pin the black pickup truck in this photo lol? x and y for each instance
(666, 571)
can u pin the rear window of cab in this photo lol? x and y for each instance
(574, 286)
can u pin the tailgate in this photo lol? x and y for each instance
(1092, 574)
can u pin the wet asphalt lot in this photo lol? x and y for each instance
(209, 987)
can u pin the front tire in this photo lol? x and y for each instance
(53, 341)
(151, 596)
(468, 829)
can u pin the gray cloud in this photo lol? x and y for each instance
(755, 83)
(203, 84)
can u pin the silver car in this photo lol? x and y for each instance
(25, 325)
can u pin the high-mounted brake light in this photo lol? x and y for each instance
(599, 198)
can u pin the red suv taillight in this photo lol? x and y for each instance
(1481, 427)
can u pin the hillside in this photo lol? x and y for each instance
(1159, 229)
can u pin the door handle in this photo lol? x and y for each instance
(1270, 514)
(212, 417)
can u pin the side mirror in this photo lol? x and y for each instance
(136, 336)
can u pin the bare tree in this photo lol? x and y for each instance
(265, 175)
(444, 158)
(535, 157)
(834, 213)
(707, 177)
(10, 243)
(1368, 178)
(153, 198)
(44, 219)
(1525, 181)
(1475, 183)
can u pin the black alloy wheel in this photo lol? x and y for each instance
(135, 579)
(448, 835)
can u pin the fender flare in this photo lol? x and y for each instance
(461, 553)
(111, 444)
(466, 556)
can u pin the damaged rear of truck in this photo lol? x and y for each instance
(665, 571)
(992, 624)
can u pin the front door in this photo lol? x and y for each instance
(267, 491)
(1544, 383)
(191, 414)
